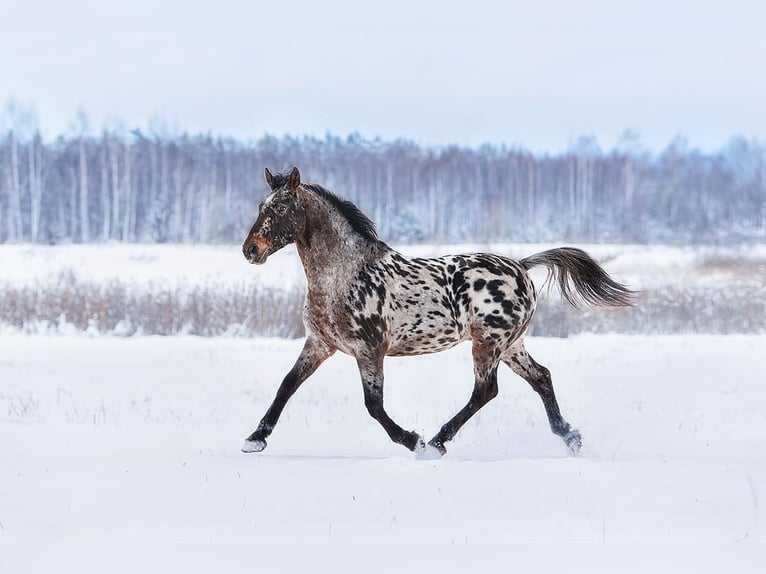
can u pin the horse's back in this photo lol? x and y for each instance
(436, 303)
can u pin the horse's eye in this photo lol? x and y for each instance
(280, 208)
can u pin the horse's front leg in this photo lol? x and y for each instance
(313, 354)
(371, 370)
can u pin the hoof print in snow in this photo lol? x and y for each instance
(431, 451)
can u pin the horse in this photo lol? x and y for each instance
(369, 301)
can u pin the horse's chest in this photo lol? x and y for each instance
(327, 316)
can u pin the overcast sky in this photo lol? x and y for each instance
(536, 73)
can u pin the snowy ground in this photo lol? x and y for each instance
(123, 455)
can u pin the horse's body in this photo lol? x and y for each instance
(366, 300)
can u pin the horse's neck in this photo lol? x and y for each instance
(330, 251)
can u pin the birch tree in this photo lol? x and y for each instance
(13, 185)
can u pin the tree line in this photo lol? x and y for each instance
(140, 187)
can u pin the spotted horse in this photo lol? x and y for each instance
(369, 301)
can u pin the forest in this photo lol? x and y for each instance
(131, 186)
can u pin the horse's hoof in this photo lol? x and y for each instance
(413, 441)
(573, 441)
(254, 445)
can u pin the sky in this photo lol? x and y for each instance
(537, 74)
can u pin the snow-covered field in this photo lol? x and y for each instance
(122, 455)
(638, 265)
(212, 291)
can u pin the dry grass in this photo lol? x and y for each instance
(733, 306)
(122, 309)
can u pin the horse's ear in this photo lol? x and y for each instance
(269, 177)
(294, 179)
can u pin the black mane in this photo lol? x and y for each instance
(358, 221)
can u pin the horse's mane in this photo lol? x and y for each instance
(358, 221)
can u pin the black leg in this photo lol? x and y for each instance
(371, 370)
(539, 378)
(484, 390)
(314, 353)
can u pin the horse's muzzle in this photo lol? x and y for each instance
(255, 255)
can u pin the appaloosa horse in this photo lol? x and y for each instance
(369, 301)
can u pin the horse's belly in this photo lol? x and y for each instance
(414, 343)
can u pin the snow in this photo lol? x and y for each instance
(168, 265)
(123, 455)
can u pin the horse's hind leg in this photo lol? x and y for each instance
(313, 354)
(539, 378)
(485, 364)
(371, 370)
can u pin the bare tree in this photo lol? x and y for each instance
(13, 185)
(193, 188)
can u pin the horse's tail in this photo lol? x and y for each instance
(569, 266)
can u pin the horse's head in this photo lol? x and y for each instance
(281, 217)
